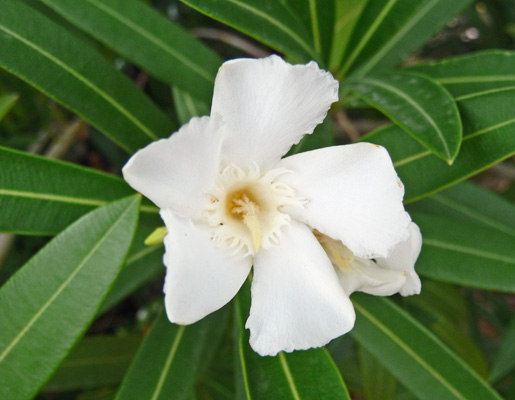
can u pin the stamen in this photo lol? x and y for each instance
(250, 212)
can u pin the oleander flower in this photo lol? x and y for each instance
(230, 203)
(380, 276)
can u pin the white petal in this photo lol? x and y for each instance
(200, 278)
(176, 172)
(366, 276)
(403, 259)
(268, 105)
(297, 301)
(353, 194)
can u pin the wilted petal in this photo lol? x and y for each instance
(353, 194)
(176, 172)
(268, 105)
(200, 278)
(297, 301)
(403, 259)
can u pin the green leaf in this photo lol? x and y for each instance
(504, 360)
(378, 383)
(318, 18)
(443, 309)
(420, 106)
(39, 196)
(466, 253)
(76, 76)
(143, 264)
(176, 356)
(488, 138)
(472, 73)
(347, 13)
(390, 30)
(413, 354)
(323, 136)
(309, 374)
(188, 106)
(468, 202)
(7, 101)
(147, 38)
(96, 361)
(269, 21)
(48, 304)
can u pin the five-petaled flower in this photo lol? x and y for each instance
(315, 226)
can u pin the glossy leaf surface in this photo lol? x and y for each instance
(72, 73)
(347, 14)
(488, 138)
(39, 196)
(175, 354)
(472, 73)
(97, 361)
(148, 39)
(48, 304)
(285, 376)
(269, 21)
(390, 30)
(420, 106)
(466, 253)
(470, 203)
(413, 354)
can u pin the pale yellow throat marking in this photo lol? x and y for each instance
(333, 249)
(248, 211)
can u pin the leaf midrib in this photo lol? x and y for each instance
(412, 102)
(66, 199)
(364, 40)
(472, 213)
(61, 288)
(371, 63)
(84, 81)
(154, 39)
(173, 350)
(409, 351)
(426, 153)
(268, 18)
(467, 250)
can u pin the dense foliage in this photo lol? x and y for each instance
(93, 81)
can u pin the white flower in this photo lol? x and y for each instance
(382, 276)
(230, 202)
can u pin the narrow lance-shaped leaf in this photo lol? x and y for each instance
(143, 264)
(309, 374)
(420, 106)
(268, 21)
(176, 356)
(75, 75)
(7, 102)
(413, 354)
(472, 73)
(468, 202)
(347, 13)
(147, 38)
(39, 196)
(188, 106)
(49, 303)
(378, 383)
(466, 253)
(389, 31)
(97, 361)
(504, 361)
(318, 18)
(488, 126)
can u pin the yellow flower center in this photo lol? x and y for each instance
(242, 206)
